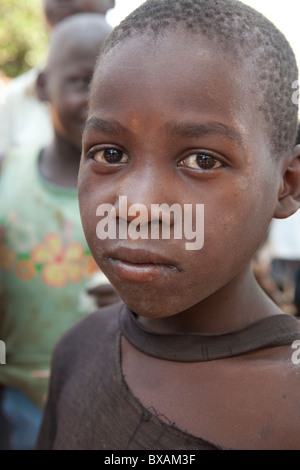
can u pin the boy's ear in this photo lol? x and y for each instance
(41, 86)
(289, 191)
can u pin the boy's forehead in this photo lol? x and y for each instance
(178, 52)
(173, 47)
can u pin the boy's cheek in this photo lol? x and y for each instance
(87, 207)
(86, 185)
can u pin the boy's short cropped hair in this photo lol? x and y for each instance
(247, 35)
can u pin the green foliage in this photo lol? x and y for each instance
(23, 35)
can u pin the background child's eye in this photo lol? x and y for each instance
(78, 83)
(201, 161)
(109, 156)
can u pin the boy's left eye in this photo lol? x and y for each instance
(200, 161)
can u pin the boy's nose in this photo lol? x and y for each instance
(129, 212)
(144, 197)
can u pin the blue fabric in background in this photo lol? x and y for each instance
(21, 421)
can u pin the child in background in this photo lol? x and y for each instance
(190, 104)
(45, 263)
(20, 94)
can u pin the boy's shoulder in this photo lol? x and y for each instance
(273, 377)
(97, 323)
(90, 334)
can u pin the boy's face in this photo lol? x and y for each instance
(57, 10)
(176, 123)
(68, 81)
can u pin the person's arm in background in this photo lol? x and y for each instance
(104, 295)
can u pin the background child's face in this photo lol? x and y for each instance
(68, 81)
(57, 10)
(183, 128)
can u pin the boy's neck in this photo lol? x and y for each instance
(59, 162)
(235, 306)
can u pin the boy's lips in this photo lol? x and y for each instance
(138, 265)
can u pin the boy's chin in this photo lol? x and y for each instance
(154, 306)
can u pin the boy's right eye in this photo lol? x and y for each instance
(109, 156)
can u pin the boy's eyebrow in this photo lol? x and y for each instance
(104, 126)
(188, 129)
(192, 129)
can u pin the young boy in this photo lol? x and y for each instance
(45, 264)
(190, 107)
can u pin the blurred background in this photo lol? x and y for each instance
(23, 39)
